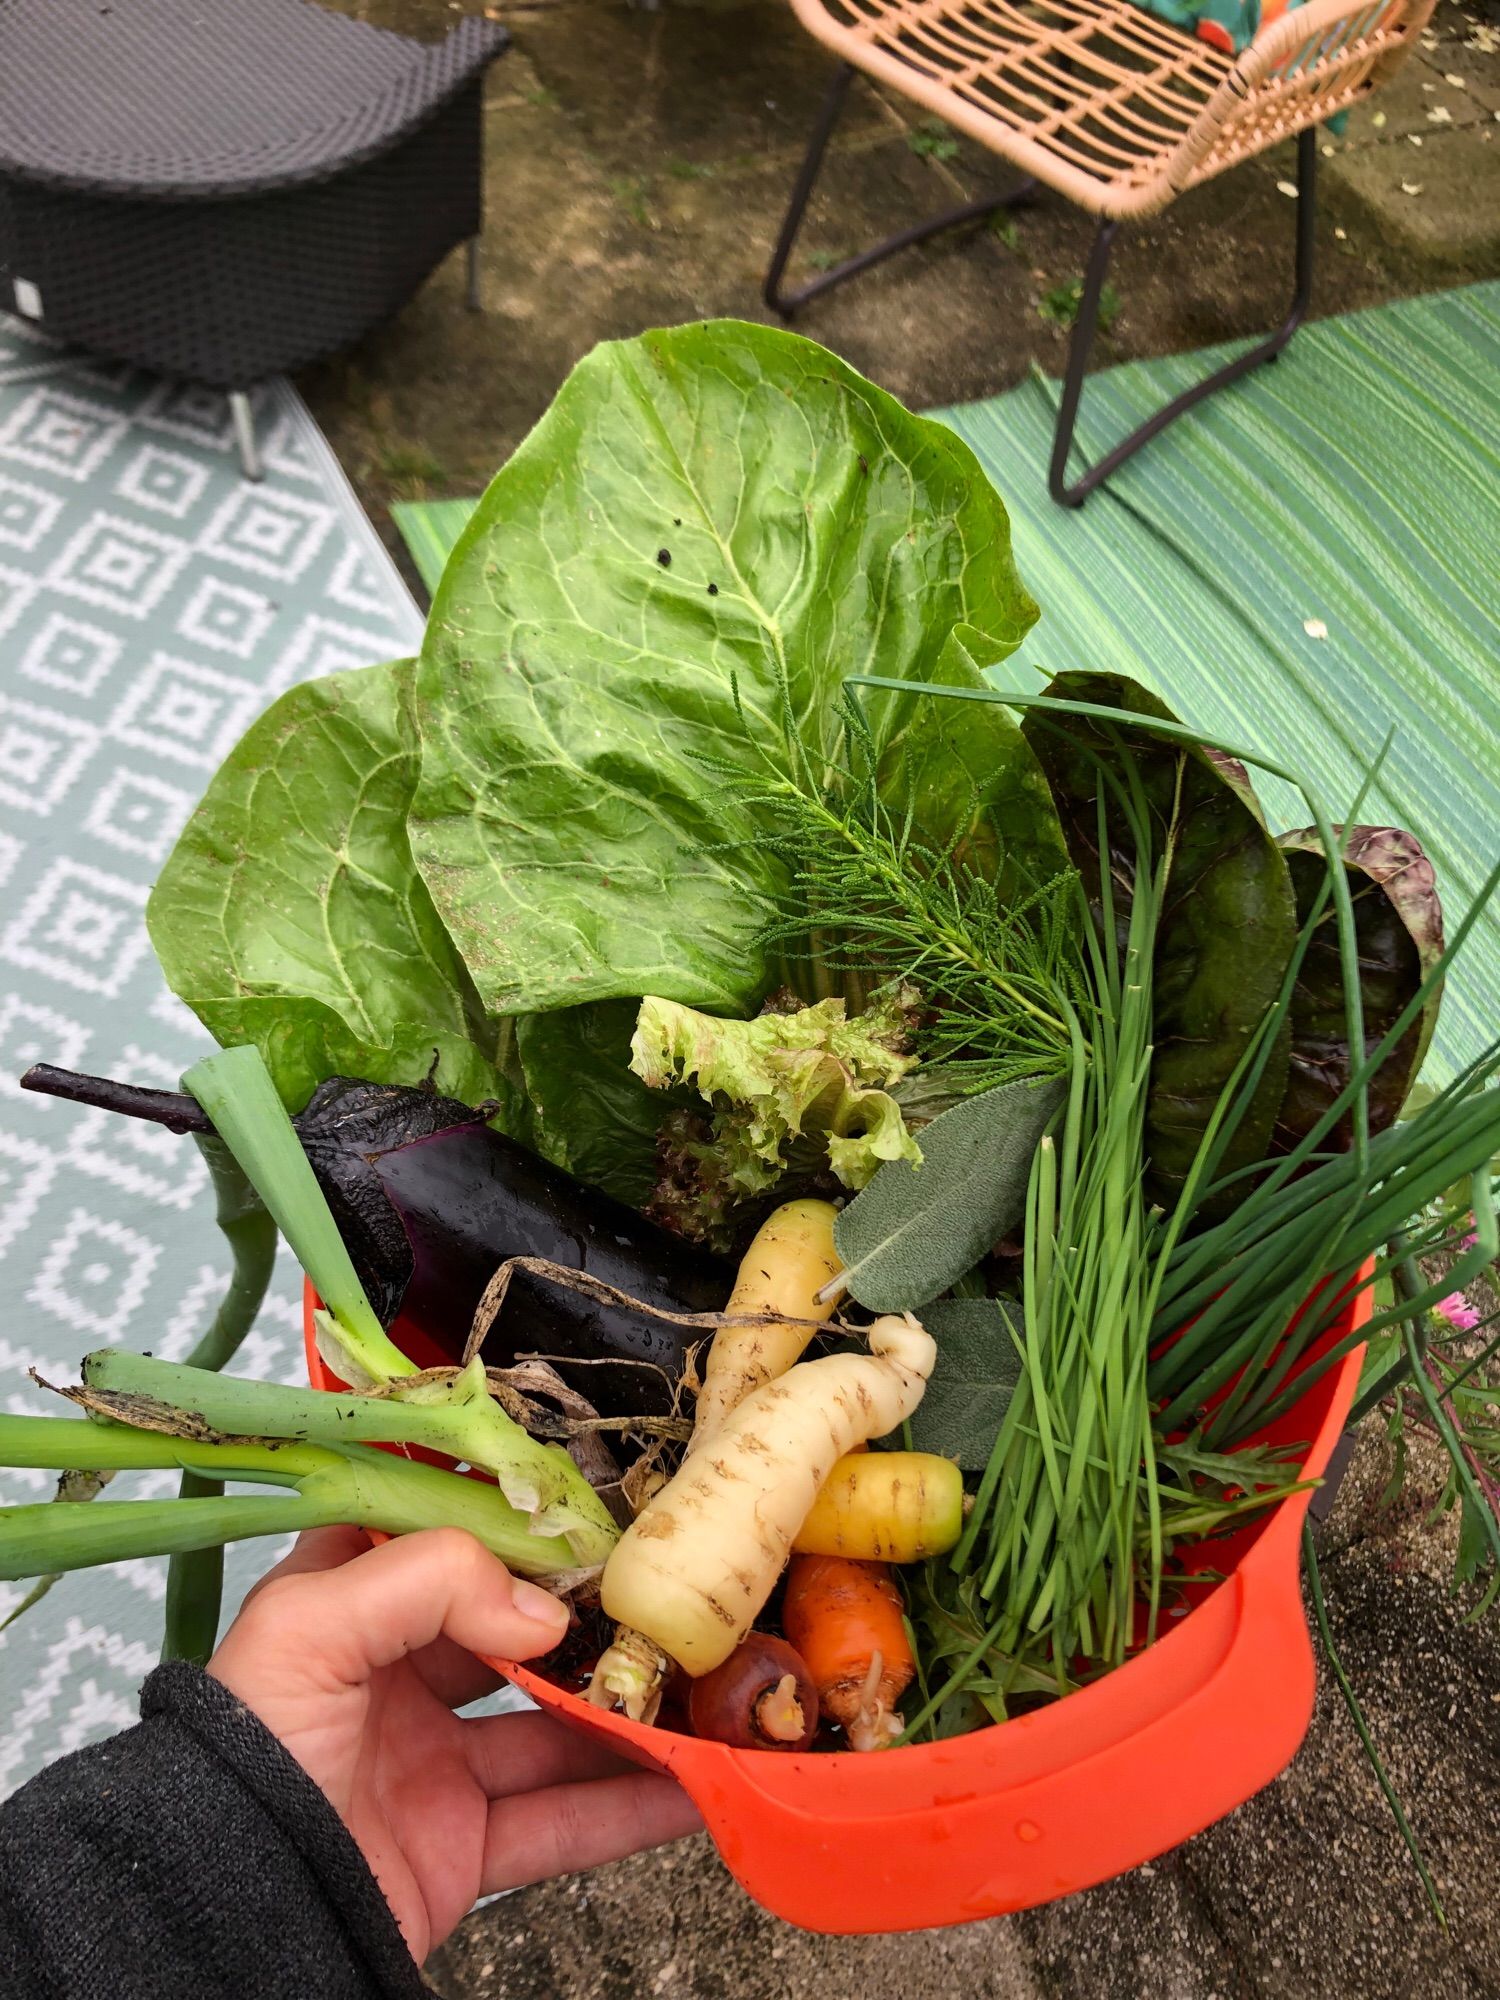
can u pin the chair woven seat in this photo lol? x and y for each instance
(1114, 108)
(186, 100)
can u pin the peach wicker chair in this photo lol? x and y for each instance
(1113, 109)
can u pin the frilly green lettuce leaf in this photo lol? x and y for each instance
(781, 1079)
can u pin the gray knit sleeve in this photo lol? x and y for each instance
(189, 1855)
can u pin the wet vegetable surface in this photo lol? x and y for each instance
(430, 1200)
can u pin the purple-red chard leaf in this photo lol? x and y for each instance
(1399, 925)
(1228, 922)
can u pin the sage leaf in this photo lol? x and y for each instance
(978, 1367)
(914, 1231)
(710, 527)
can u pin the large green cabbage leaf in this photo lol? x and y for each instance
(709, 528)
(559, 765)
(289, 914)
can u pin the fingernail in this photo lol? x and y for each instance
(534, 1602)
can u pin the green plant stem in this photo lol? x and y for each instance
(368, 1488)
(456, 1417)
(1356, 1714)
(1470, 1368)
(1181, 733)
(195, 1587)
(1463, 1470)
(250, 1231)
(195, 1579)
(947, 940)
(234, 1087)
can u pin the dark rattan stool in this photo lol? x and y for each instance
(224, 192)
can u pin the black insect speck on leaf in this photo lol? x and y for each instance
(676, 520)
(664, 557)
(864, 463)
(713, 590)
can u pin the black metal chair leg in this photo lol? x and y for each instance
(787, 302)
(1083, 339)
(1079, 348)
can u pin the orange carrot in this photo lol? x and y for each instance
(845, 1619)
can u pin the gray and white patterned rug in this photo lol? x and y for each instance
(152, 602)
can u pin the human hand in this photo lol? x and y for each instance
(354, 1657)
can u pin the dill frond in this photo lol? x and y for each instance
(872, 898)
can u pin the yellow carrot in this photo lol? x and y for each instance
(790, 1261)
(886, 1506)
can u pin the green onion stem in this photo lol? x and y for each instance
(1470, 1265)
(234, 1087)
(371, 1489)
(1356, 1715)
(195, 1578)
(455, 1416)
(1463, 1472)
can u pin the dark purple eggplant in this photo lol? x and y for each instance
(430, 1200)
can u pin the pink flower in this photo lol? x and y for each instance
(1458, 1312)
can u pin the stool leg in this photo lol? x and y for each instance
(244, 434)
(1084, 328)
(807, 175)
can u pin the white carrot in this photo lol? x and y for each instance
(695, 1568)
(790, 1261)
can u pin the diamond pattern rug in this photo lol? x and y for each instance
(152, 602)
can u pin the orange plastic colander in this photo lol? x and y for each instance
(1039, 1807)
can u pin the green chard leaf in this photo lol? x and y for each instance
(915, 1231)
(590, 1114)
(707, 531)
(1228, 924)
(978, 1367)
(1399, 926)
(290, 915)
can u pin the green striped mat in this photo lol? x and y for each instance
(1309, 558)
(429, 529)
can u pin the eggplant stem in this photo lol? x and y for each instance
(172, 1108)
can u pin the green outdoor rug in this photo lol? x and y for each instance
(1306, 560)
